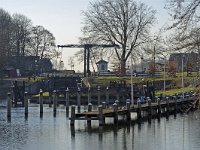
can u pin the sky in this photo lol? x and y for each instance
(64, 19)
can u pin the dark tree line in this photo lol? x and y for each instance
(18, 37)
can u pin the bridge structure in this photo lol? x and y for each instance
(87, 48)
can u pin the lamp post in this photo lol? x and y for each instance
(164, 75)
(132, 98)
(182, 65)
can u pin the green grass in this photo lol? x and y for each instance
(176, 91)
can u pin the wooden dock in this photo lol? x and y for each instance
(149, 108)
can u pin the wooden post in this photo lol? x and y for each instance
(50, 98)
(101, 116)
(89, 95)
(128, 104)
(26, 104)
(107, 96)
(117, 102)
(99, 95)
(23, 92)
(149, 107)
(167, 104)
(9, 105)
(139, 112)
(175, 104)
(67, 102)
(41, 101)
(79, 100)
(89, 110)
(72, 115)
(117, 94)
(159, 106)
(54, 101)
(104, 105)
(115, 107)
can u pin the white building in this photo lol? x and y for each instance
(102, 66)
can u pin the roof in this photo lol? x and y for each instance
(101, 62)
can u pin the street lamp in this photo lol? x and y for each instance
(182, 63)
(132, 98)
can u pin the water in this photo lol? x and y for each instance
(54, 133)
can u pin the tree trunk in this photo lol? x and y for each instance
(123, 67)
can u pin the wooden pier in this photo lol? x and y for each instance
(149, 109)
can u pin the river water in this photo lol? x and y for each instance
(181, 132)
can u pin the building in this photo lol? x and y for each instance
(102, 66)
(27, 65)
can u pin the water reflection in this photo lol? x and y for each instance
(54, 132)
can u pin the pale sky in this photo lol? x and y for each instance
(63, 18)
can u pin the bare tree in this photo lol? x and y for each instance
(122, 22)
(21, 34)
(42, 43)
(5, 37)
(183, 12)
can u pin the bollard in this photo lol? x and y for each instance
(104, 105)
(26, 104)
(149, 107)
(159, 106)
(89, 95)
(41, 101)
(79, 100)
(115, 107)
(128, 104)
(9, 105)
(50, 99)
(54, 101)
(117, 102)
(167, 104)
(107, 96)
(117, 94)
(101, 116)
(67, 102)
(139, 112)
(72, 115)
(89, 110)
(99, 95)
(175, 104)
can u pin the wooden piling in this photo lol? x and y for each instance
(149, 107)
(167, 104)
(128, 115)
(67, 102)
(9, 105)
(89, 110)
(89, 95)
(175, 104)
(50, 98)
(117, 102)
(54, 101)
(107, 96)
(101, 117)
(115, 107)
(41, 101)
(72, 115)
(159, 106)
(104, 105)
(117, 94)
(139, 112)
(26, 104)
(79, 100)
(99, 95)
